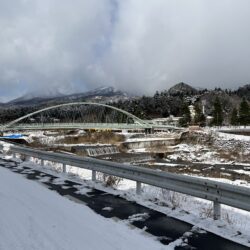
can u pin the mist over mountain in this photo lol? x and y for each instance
(36, 96)
(111, 94)
(101, 94)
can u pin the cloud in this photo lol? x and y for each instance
(135, 45)
(50, 43)
(159, 43)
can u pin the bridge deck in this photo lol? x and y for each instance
(107, 126)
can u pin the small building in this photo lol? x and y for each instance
(171, 120)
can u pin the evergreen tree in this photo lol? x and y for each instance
(217, 113)
(165, 112)
(186, 116)
(157, 99)
(244, 113)
(200, 118)
(157, 104)
(234, 117)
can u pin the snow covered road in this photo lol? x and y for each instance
(33, 217)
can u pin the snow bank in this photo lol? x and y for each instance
(194, 153)
(227, 136)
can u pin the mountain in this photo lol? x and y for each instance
(182, 88)
(102, 94)
(101, 91)
(35, 97)
(244, 91)
(162, 104)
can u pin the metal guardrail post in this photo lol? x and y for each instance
(93, 175)
(138, 187)
(217, 210)
(64, 168)
(42, 162)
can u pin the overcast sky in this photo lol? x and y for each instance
(136, 45)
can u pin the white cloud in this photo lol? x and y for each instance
(159, 43)
(135, 45)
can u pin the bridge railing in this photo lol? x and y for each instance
(217, 192)
(55, 125)
(58, 125)
(77, 123)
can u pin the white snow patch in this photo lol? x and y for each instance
(107, 209)
(227, 136)
(241, 171)
(147, 139)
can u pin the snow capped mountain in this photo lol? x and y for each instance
(102, 91)
(37, 95)
(101, 94)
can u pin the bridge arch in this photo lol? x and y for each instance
(135, 118)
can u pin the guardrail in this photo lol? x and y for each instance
(217, 192)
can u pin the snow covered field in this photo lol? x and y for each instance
(33, 217)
